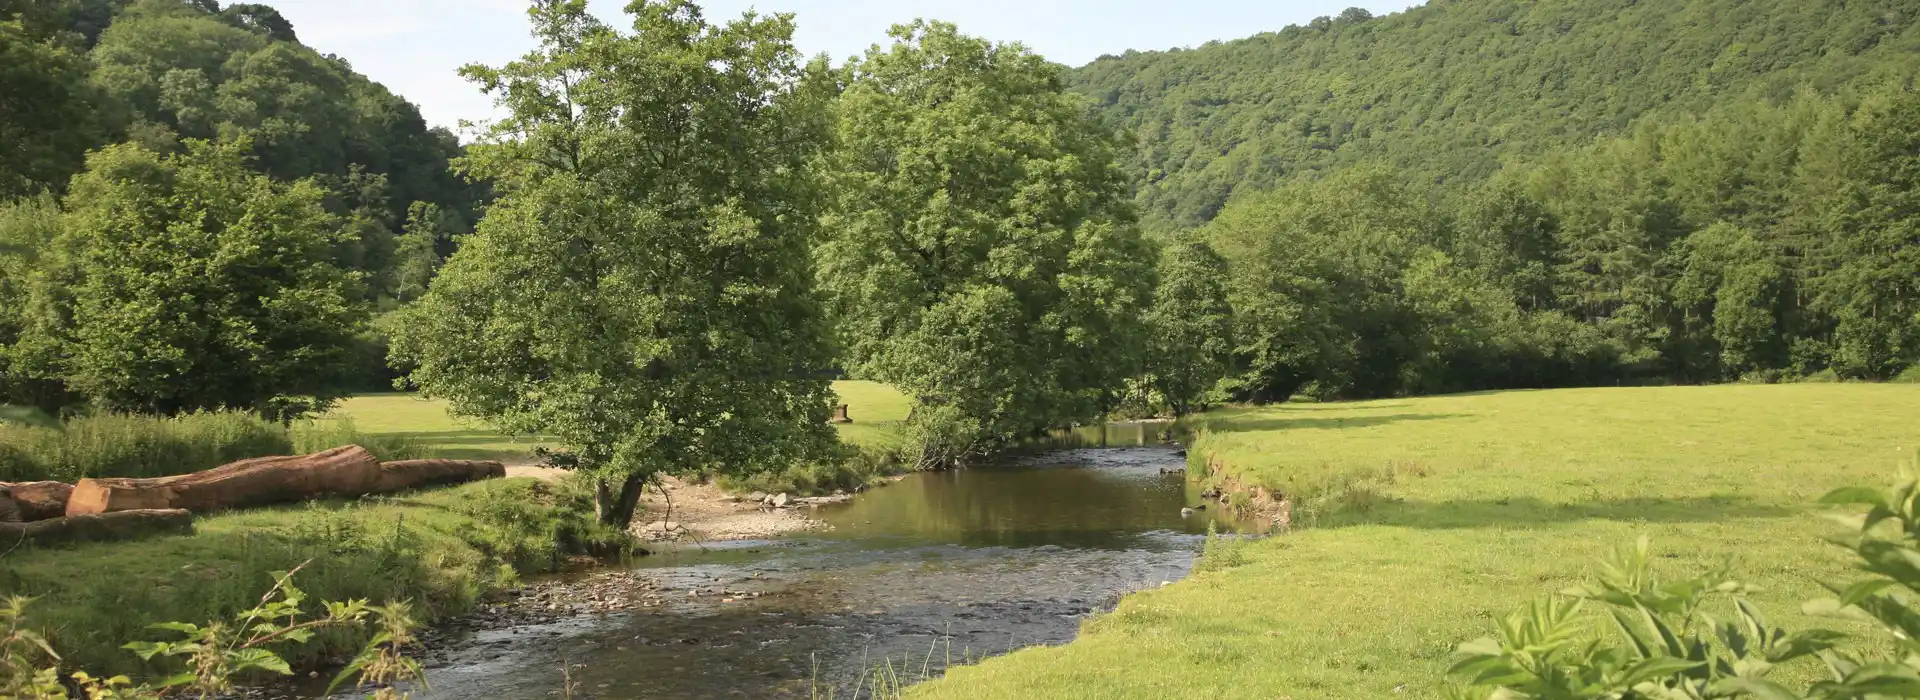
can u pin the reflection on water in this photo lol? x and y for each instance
(936, 567)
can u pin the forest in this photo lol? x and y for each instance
(205, 214)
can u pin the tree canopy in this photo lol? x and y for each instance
(980, 250)
(642, 289)
(1450, 90)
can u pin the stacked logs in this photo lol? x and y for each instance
(111, 508)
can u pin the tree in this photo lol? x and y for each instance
(187, 282)
(980, 253)
(46, 108)
(1191, 326)
(642, 289)
(417, 256)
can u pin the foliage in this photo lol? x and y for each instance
(1668, 646)
(131, 445)
(46, 123)
(979, 251)
(1450, 91)
(1190, 326)
(641, 289)
(217, 653)
(135, 446)
(445, 550)
(1753, 241)
(185, 282)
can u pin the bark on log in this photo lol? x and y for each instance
(40, 500)
(342, 471)
(415, 473)
(9, 511)
(126, 524)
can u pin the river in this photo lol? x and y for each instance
(939, 568)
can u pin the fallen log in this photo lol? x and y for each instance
(342, 471)
(9, 511)
(126, 524)
(40, 500)
(415, 473)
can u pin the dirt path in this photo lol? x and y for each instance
(701, 512)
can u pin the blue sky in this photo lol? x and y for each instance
(414, 46)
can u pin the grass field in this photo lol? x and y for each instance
(441, 549)
(1440, 515)
(876, 409)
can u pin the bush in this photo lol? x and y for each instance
(1910, 376)
(136, 446)
(858, 468)
(126, 445)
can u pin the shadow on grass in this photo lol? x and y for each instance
(1522, 512)
(1276, 423)
(472, 444)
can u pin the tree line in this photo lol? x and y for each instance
(683, 229)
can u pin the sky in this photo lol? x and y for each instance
(414, 46)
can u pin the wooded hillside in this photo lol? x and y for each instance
(1449, 89)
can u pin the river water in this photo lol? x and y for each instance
(938, 568)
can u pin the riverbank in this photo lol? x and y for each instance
(1419, 522)
(445, 550)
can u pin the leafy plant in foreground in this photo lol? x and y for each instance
(1668, 646)
(216, 653)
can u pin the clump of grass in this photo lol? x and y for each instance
(135, 446)
(443, 550)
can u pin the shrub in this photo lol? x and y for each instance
(858, 468)
(126, 445)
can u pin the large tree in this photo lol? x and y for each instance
(981, 251)
(641, 290)
(188, 282)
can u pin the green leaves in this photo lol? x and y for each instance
(642, 289)
(979, 253)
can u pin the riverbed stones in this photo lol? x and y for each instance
(779, 501)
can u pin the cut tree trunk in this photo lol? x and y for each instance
(126, 524)
(40, 500)
(342, 471)
(415, 473)
(9, 511)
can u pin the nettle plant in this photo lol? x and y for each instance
(213, 655)
(1666, 643)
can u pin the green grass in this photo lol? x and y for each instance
(426, 423)
(442, 549)
(877, 411)
(1436, 516)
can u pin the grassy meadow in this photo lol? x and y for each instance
(442, 549)
(1429, 518)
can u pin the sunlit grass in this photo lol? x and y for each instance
(1442, 514)
(876, 409)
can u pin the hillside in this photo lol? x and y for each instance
(1450, 89)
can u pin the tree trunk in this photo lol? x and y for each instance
(342, 471)
(124, 524)
(40, 500)
(616, 509)
(415, 473)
